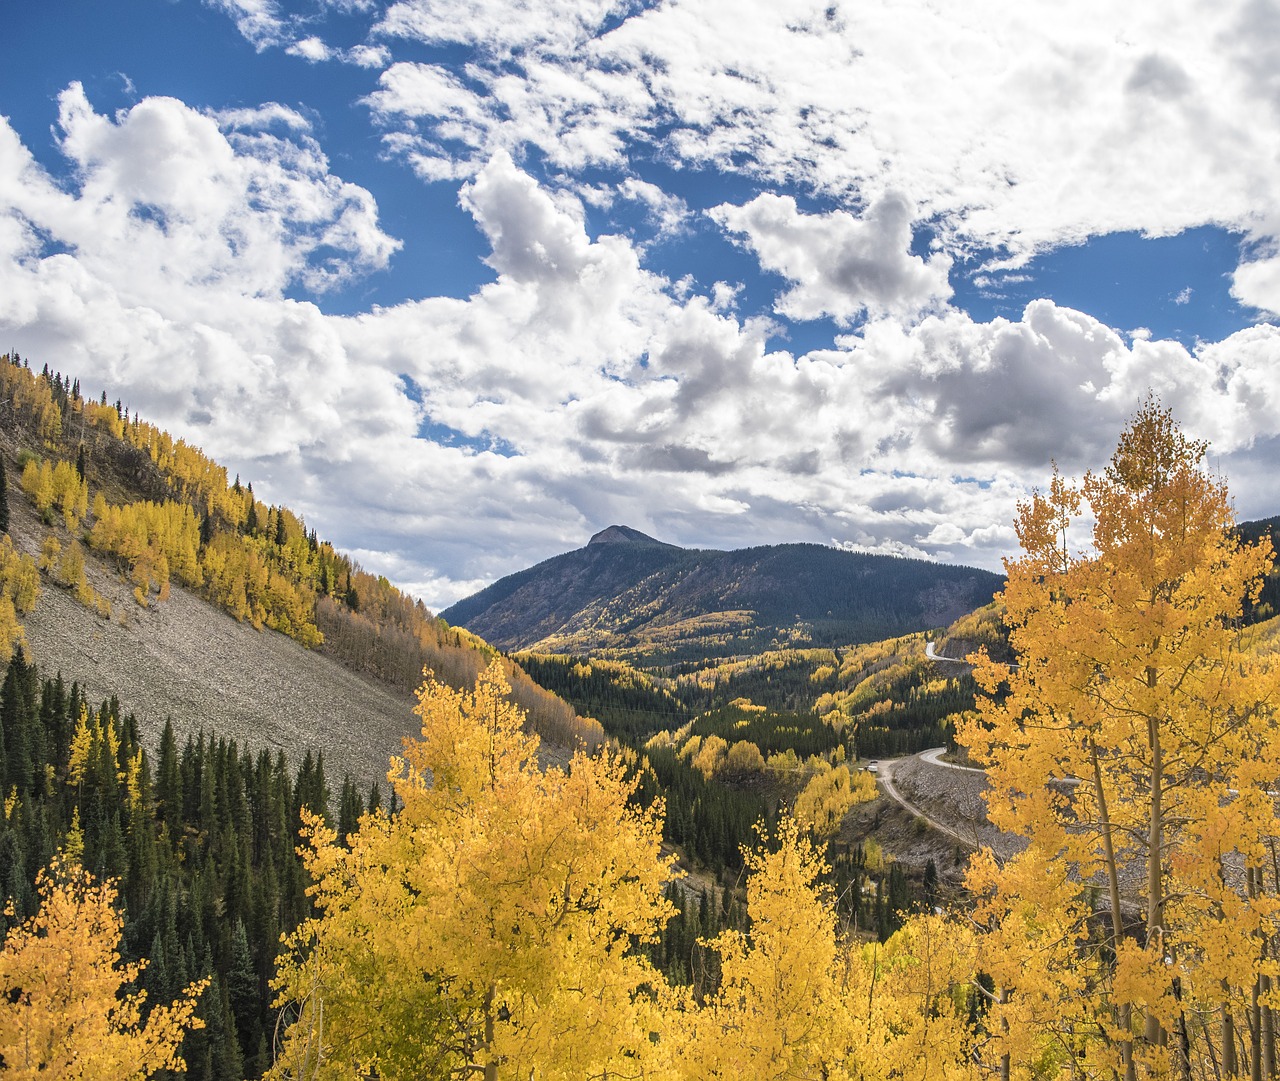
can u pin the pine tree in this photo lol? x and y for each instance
(350, 808)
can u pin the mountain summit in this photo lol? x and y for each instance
(628, 595)
(624, 534)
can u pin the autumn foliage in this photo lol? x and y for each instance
(1135, 747)
(488, 926)
(67, 1007)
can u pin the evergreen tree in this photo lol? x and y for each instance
(350, 808)
(18, 719)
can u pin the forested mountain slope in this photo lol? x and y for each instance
(134, 564)
(628, 595)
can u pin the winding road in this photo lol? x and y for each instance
(928, 652)
(933, 756)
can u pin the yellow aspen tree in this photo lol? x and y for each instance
(64, 1008)
(37, 482)
(776, 1013)
(11, 633)
(907, 1004)
(798, 1000)
(1134, 746)
(71, 493)
(19, 576)
(490, 928)
(50, 554)
(829, 795)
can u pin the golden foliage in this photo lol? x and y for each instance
(1136, 692)
(829, 796)
(490, 923)
(799, 1001)
(48, 483)
(64, 1008)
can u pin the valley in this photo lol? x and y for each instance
(202, 699)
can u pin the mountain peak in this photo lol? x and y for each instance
(624, 534)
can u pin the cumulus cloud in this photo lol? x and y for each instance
(1109, 131)
(238, 205)
(582, 387)
(840, 266)
(1256, 284)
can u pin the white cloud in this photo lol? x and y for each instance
(840, 265)
(311, 48)
(237, 207)
(1256, 284)
(669, 213)
(259, 21)
(265, 26)
(316, 51)
(500, 27)
(367, 56)
(1018, 131)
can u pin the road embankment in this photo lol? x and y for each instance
(951, 798)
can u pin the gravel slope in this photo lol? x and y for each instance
(188, 661)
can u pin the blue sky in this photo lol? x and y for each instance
(467, 282)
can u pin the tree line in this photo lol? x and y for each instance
(199, 838)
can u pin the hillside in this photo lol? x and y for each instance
(629, 596)
(187, 661)
(166, 584)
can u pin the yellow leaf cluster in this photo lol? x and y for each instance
(48, 484)
(488, 926)
(64, 1008)
(829, 795)
(799, 1001)
(240, 577)
(154, 540)
(32, 397)
(19, 591)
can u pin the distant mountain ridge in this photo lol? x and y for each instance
(626, 594)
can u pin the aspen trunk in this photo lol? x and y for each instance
(1004, 1059)
(1123, 1015)
(1230, 1067)
(1155, 842)
(1183, 1061)
(1268, 1031)
(491, 1062)
(1255, 1007)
